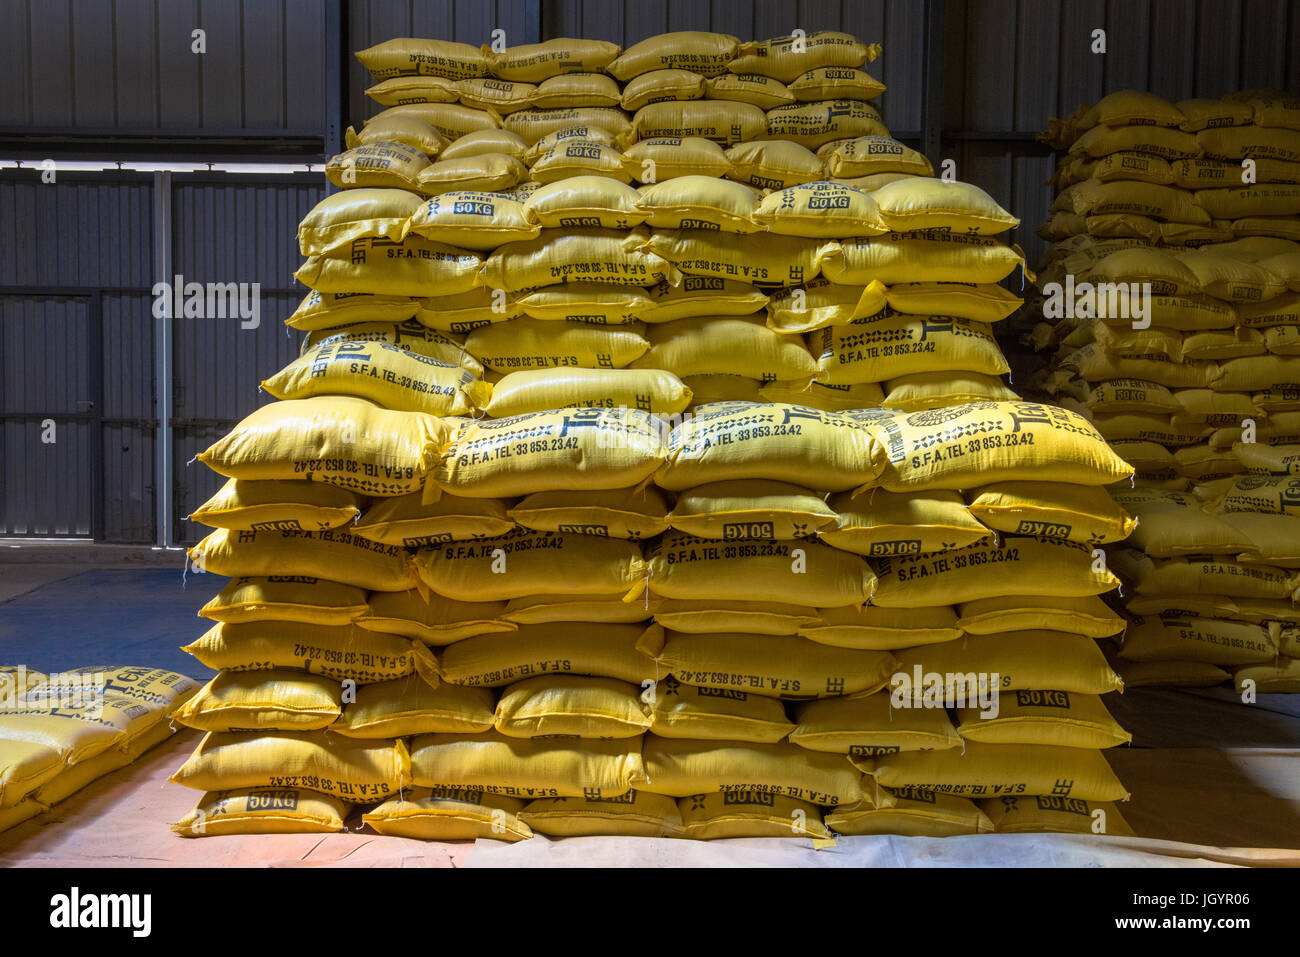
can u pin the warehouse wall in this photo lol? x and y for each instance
(76, 330)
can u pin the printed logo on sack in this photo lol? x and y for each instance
(179, 299)
(77, 694)
(76, 910)
(933, 689)
(1130, 301)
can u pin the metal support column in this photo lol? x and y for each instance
(336, 92)
(98, 492)
(164, 447)
(932, 82)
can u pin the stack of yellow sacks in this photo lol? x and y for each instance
(597, 510)
(1195, 380)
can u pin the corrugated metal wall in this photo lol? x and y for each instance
(1006, 66)
(128, 65)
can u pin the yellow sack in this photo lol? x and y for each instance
(751, 618)
(405, 55)
(546, 344)
(412, 267)
(252, 505)
(434, 620)
(821, 209)
(359, 771)
(1124, 197)
(821, 303)
(539, 390)
(1039, 566)
(329, 554)
(355, 213)
(905, 345)
(544, 609)
(705, 53)
(784, 443)
(406, 520)
(638, 513)
(471, 220)
(535, 62)
(1044, 814)
(824, 396)
(825, 121)
(579, 202)
(24, 767)
(1173, 523)
(773, 164)
(573, 707)
(484, 172)
(599, 649)
(450, 120)
(592, 303)
(480, 142)
(581, 132)
(702, 296)
(778, 260)
(580, 255)
(772, 665)
(1256, 374)
(500, 96)
(836, 83)
(343, 652)
(1205, 576)
(657, 158)
(1268, 460)
(992, 770)
(387, 375)
(634, 814)
(409, 706)
(1254, 142)
(534, 124)
(700, 202)
(924, 257)
(660, 86)
(1078, 616)
(1136, 107)
(1273, 494)
(1227, 278)
(580, 158)
(589, 449)
(527, 767)
(467, 311)
(1207, 640)
(1164, 271)
(263, 701)
(408, 130)
(523, 563)
(880, 524)
(449, 814)
(883, 629)
(409, 335)
(869, 155)
(683, 566)
(716, 714)
(1280, 678)
(971, 445)
(286, 598)
(382, 165)
(398, 90)
(762, 91)
(711, 390)
(576, 89)
(750, 510)
(707, 817)
(915, 813)
(1134, 167)
(1133, 395)
(681, 768)
(1044, 717)
(1009, 661)
(936, 390)
(727, 345)
(1176, 674)
(263, 811)
(981, 303)
(329, 310)
(788, 57)
(1169, 144)
(864, 727)
(923, 203)
(1085, 514)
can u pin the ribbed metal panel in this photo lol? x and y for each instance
(78, 230)
(128, 433)
(45, 487)
(128, 65)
